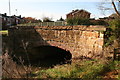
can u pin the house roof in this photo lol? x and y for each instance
(77, 10)
(85, 11)
(13, 16)
(114, 15)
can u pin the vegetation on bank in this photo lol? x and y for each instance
(78, 69)
(112, 33)
(86, 70)
(78, 21)
(85, 21)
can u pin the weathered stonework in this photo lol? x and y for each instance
(79, 40)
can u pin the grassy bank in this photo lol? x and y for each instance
(86, 70)
(80, 69)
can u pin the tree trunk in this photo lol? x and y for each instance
(117, 12)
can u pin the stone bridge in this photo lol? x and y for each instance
(79, 40)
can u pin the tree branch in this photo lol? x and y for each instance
(114, 6)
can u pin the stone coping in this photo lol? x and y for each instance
(80, 27)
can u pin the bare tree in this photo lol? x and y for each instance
(115, 8)
(103, 6)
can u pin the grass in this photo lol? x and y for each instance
(86, 70)
(82, 69)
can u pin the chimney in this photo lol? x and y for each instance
(5, 14)
(19, 16)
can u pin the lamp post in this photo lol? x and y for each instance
(9, 8)
(9, 14)
(16, 11)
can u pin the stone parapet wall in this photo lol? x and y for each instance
(79, 40)
(77, 27)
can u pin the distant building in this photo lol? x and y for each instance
(7, 21)
(113, 16)
(78, 14)
(105, 18)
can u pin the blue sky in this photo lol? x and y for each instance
(53, 9)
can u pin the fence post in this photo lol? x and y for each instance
(62, 23)
(114, 54)
(54, 23)
(47, 23)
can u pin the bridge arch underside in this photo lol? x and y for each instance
(42, 55)
(47, 55)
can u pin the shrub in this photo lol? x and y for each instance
(47, 19)
(113, 32)
(101, 22)
(78, 21)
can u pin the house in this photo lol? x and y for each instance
(114, 16)
(109, 18)
(7, 21)
(15, 19)
(78, 14)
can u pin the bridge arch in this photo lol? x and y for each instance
(79, 40)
